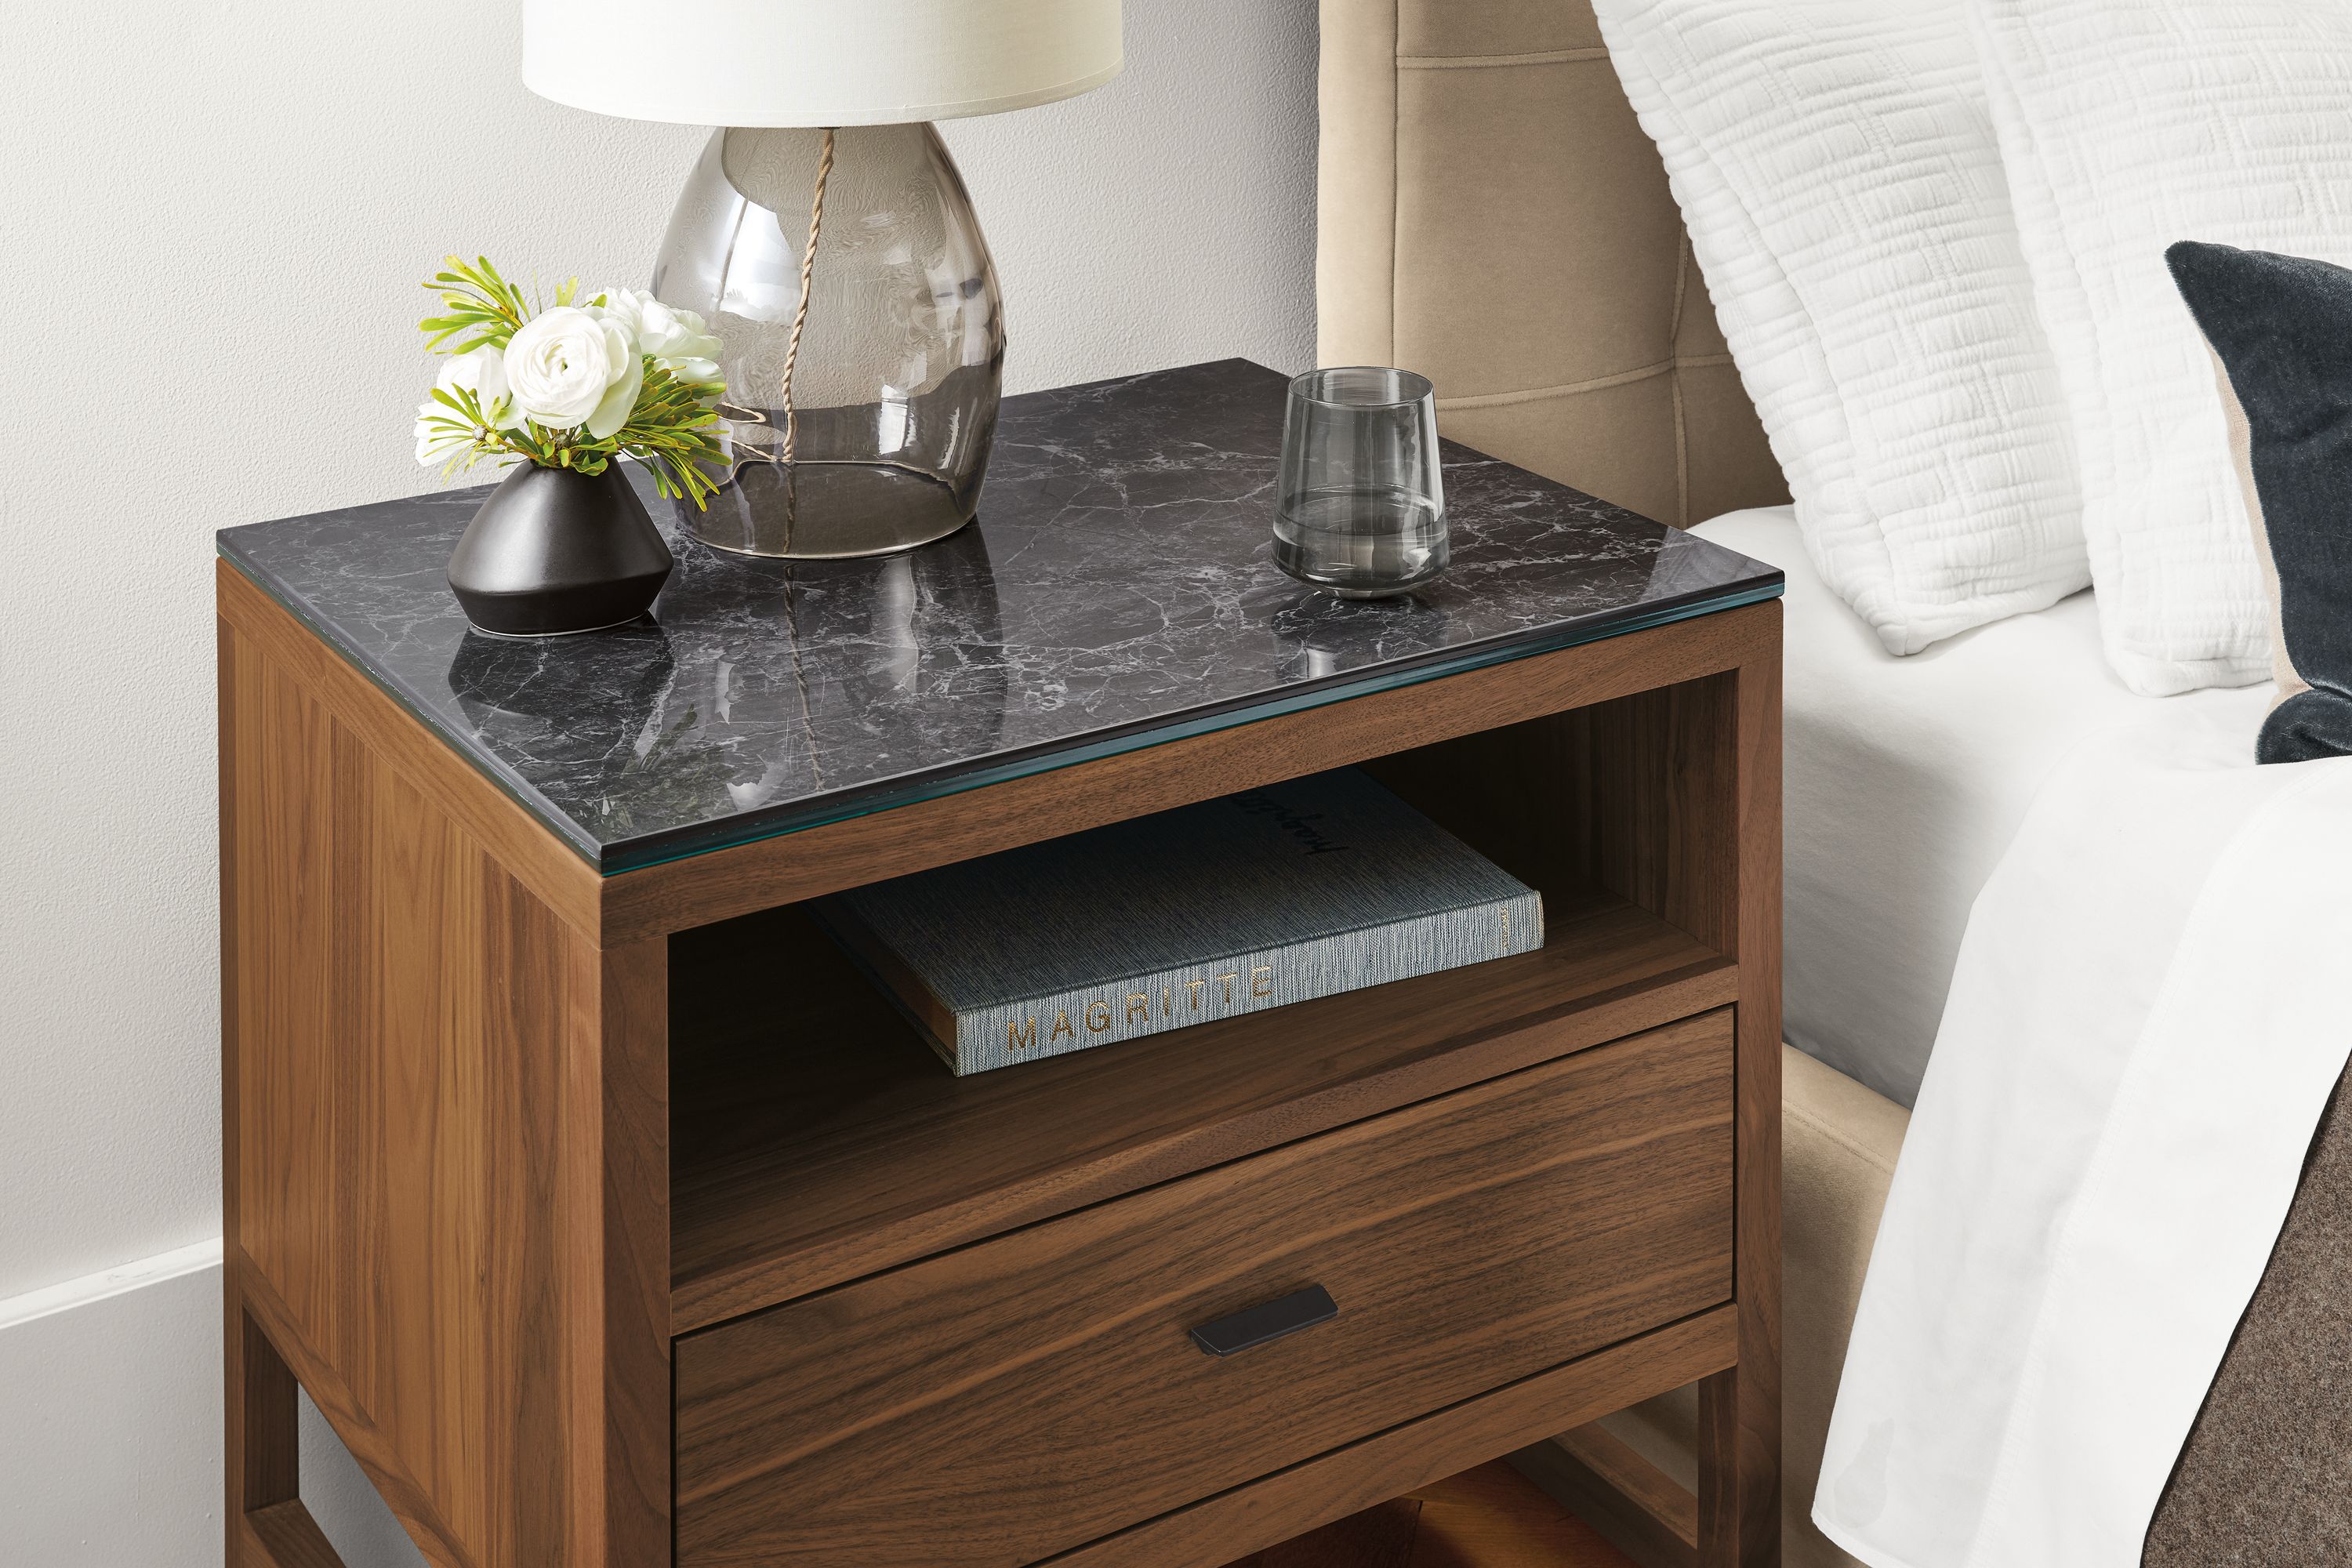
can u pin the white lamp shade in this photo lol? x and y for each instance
(816, 62)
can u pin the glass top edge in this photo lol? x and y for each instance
(625, 855)
(620, 856)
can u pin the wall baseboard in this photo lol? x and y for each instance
(110, 1428)
(107, 1283)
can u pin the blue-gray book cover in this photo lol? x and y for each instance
(1276, 895)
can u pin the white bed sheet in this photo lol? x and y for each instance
(2145, 1020)
(1906, 778)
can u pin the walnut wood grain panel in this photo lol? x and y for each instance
(269, 1526)
(621, 1499)
(553, 873)
(260, 1445)
(284, 1535)
(264, 1445)
(801, 1092)
(749, 878)
(1740, 1409)
(1332, 1485)
(1635, 795)
(419, 1049)
(373, 1446)
(1670, 798)
(1020, 1397)
(1665, 808)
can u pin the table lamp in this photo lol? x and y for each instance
(826, 238)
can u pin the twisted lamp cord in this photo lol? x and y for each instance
(800, 314)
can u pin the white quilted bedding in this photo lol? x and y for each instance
(1837, 169)
(2128, 124)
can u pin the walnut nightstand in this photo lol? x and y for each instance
(613, 1221)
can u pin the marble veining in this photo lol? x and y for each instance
(1116, 590)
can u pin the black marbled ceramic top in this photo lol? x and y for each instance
(1116, 592)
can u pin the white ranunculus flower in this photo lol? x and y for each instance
(668, 334)
(677, 341)
(482, 373)
(570, 368)
(626, 306)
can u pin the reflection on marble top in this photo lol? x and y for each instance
(1116, 592)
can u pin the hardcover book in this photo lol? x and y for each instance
(1254, 901)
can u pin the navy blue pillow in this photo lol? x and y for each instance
(2281, 327)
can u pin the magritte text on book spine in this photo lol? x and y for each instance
(1224, 990)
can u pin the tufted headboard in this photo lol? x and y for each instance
(1491, 216)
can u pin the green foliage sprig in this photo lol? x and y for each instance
(482, 302)
(673, 426)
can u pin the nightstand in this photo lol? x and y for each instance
(613, 1220)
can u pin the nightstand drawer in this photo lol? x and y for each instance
(1018, 1397)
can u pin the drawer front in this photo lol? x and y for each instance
(1011, 1400)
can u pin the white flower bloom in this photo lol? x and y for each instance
(677, 341)
(570, 368)
(483, 374)
(620, 397)
(624, 306)
(668, 334)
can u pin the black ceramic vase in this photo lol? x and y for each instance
(553, 550)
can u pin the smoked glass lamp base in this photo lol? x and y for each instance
(861, 423)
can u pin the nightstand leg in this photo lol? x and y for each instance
(267, 1527)
(1739, 1473)
(261, 1421)
(1740, 1409)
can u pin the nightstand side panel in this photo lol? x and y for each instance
(416, 1050)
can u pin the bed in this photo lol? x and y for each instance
(1493, 215)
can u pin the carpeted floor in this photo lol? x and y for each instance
(2265, 1478)
(1491, 1517)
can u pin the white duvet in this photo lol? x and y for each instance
(2145, 1023)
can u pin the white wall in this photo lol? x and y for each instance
(213, 219)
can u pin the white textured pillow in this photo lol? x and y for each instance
(2126, 125)
(1837, 169)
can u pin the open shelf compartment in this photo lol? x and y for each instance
(798, 1089)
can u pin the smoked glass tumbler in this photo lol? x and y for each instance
(1361, 507)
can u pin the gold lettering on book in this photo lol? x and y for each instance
(1061, 1027)
(1166, 1009)
(1139, 1002)
(1229, 980)
(1506, 927)
(1262, 980)
(1097, 1024)
(1021, 1036)
(1194, 988)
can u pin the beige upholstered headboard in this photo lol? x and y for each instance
(1493, 216)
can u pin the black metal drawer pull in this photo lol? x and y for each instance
(1269, 1321)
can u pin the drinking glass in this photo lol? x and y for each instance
(1361, 510)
